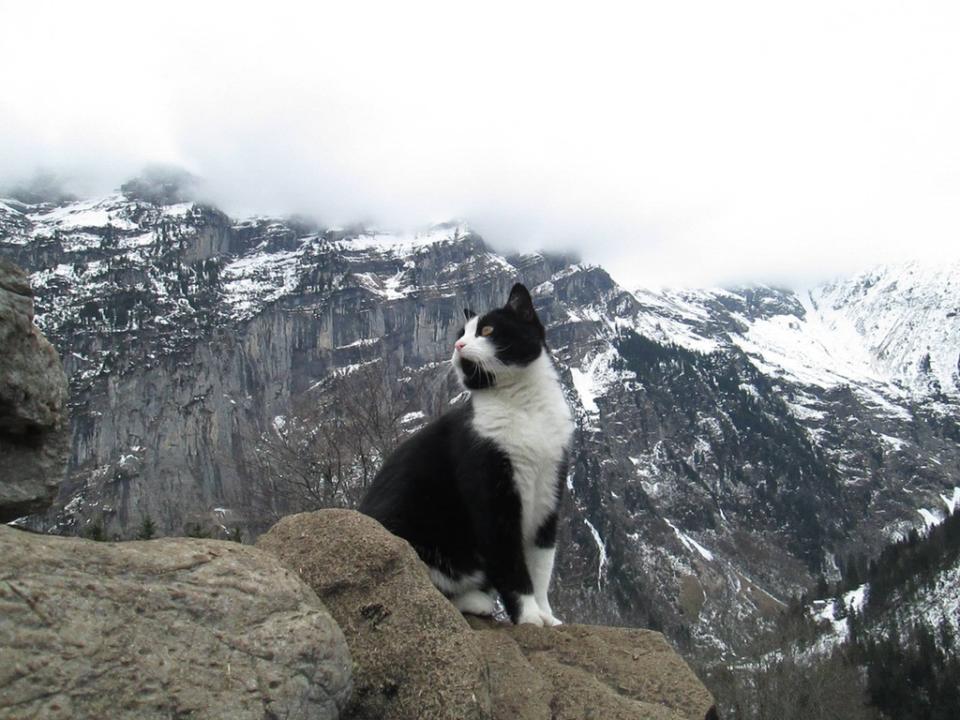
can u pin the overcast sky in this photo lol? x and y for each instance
(673, 142)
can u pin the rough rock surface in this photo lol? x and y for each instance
(34, 439)
(161, 629)
(416, 657)
(582, 671)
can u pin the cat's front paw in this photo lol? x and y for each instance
(546, 613)
(549, 619)
(530, 619)
(529, 612)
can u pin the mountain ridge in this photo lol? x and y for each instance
(733, 444)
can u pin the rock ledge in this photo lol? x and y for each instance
(161, 629)
(415, 656)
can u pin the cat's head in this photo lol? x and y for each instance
(498, 345)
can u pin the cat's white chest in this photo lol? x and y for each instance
(533, 426)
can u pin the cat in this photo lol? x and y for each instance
(477, 491)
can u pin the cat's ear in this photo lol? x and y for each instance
(521, 303)
(467, 314)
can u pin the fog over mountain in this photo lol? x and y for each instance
(688, 143)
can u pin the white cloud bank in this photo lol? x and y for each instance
(673, 142)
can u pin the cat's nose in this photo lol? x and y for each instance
(459, 344)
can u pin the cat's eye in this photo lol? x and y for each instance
(486, 330)
(460, 334)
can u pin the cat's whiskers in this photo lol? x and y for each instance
(490, 366)
(484, 368)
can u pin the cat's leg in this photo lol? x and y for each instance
(506, 566)
(508, 572)
(527, 611)
(496, 515)
(539, 556)
(540, 563)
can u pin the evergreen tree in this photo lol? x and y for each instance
(148, 528)
(911, 677)
(854, 628)
(822, 588)
(95, 531)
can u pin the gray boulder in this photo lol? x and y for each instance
(162, 629)
(34, 439)
(417, 657)
(414, 655)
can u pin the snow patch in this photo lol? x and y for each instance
(894, 442)
(86, 214)
(597, 377)
(904, 316)
(750, 390)
(74, 505)
(825, 611)
(257, 279)
(856, 599)
(601, 547)
(953, 502)
(401, 244)
(587, 390)
(805, 412)
(689, 543)
(363, 342)
(930, 519)
(676, 316)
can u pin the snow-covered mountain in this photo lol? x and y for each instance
(732, 444)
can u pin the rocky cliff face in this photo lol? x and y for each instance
(34, 440)
(732, 443)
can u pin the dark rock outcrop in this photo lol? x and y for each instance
(161, 629)
(416, 657)
(34, 437)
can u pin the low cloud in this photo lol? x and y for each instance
(675, 143)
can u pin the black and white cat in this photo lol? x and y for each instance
(476, 492)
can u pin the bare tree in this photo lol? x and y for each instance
(328, 449)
